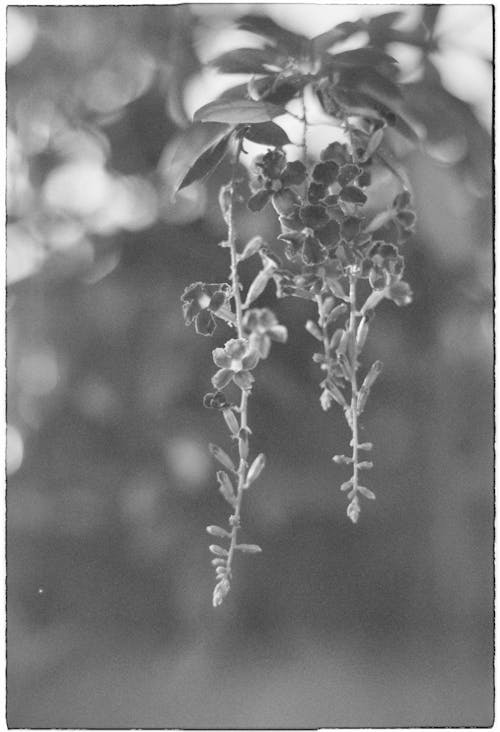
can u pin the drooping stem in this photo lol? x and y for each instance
(354, 383)
(243, 409)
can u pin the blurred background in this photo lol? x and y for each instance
(110, 484)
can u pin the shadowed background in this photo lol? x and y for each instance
(110, 484)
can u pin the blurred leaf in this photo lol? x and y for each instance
(267, 133)
(206, 162)
(367, 57)
(242, 111)
(370, 82)
(390, 161)
(264, 26)
(385, 20)
(340, 32)
(247, 61)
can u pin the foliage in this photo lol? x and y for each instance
(343, 253)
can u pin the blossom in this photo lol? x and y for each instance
(263, 327)
(200, 302)
(235, 361)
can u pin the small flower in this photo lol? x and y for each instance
(305, 244)
(263, 327)
(235, 361)
(200, 301)
(276, 177)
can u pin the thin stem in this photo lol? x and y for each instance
(304, 131)
(354, 383)
(242, 441)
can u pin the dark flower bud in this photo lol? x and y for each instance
(273, 163)
(402, 200)
(350, 227)
(407, 219)
(353, 194)
(314, 216)
(348, 173)
(335, 151)
(294, 173)
(326, 172)
(315, 192)
(365, 179)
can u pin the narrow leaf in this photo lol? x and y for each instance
(207, 162)
(359, 57)
(238, 112)
(340, 32)
(246, 61)
(265, 26)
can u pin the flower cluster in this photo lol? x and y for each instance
(328, 234)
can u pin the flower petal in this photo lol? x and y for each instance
(192, 292)
(262, 343)
(244, 380)
(190, 310)
(217, 301)
(222, 378)
(221, 359)
(236, 348)
(205, 323)
(278, 333)
(250, 361)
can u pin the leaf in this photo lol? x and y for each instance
(207, 162)
(190, 144)
(404, 129)
(222, 457)
(340, 32)
(265, 26)
(369, 81)
(267, 133)
(218, 550)
(390, 161)
(239, 112)
(386, 20)
(247, 61)
(365, 57)
(248, 548)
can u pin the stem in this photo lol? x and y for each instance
(354, 383)
(242, 442)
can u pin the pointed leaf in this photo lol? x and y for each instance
(367, 57)
(338, 33)
(207, 162)
(239, 112)
(366, 492)
(246, 61)
(267, 133)
(256, 469)
(265, 26)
